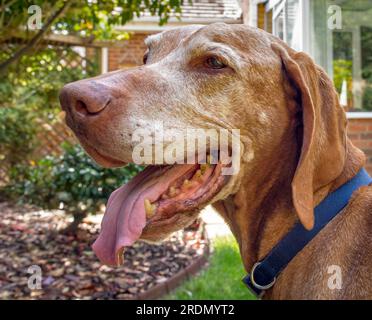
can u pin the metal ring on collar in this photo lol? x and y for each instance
(264, 287)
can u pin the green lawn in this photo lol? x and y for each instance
(221, 279)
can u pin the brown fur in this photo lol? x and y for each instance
(294, 145)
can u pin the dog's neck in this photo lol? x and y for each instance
(261, 213)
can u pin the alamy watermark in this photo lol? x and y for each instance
(35, 279)
(335, 279)
(335, 17)
(34, 21)
(157, 145)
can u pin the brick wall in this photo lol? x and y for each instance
(360, 133)
(129, 54)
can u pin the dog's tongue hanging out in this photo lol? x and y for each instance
(156, 193)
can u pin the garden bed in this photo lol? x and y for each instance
(70, 270)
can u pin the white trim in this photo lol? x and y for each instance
(252, 13)
(278, 9)
(305, 10)
(150, 26)
(104, 60)
(285, 38)
(304, 7)
(329, 53)
(183, 20)
(357, 68)
(271, 4)
(359, 115)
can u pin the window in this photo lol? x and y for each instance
(286, 21)
(294, 23)
(345, 53)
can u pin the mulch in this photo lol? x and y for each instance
(29, 237)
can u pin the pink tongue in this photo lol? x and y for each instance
(125, 215)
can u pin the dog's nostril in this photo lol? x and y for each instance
(80, 98)
(81, 108)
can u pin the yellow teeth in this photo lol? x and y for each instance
(209, 159)
(197, 175)
(149, 208)
(189, 184)
(173, 192)
(186, 183)
(204, 167)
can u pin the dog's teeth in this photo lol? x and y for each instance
(149, 208)
(209, 159)
(173, 192)
(204, 167)
(197, 175)
(186, 183)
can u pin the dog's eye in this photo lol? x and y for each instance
(144, 59)
(214, 63)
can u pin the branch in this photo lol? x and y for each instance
(6, 5)
(35, 39)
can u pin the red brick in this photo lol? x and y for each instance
(361, 143)
(129, 54)
(354, 136)
(366, 136)
(353, 127)
(365, 121)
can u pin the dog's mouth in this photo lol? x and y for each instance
(155, 197)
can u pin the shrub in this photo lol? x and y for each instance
(17, 135)
(72, 181)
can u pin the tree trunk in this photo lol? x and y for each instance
(73, 227)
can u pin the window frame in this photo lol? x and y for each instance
(304, 6)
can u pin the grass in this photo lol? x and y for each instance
(220, 280)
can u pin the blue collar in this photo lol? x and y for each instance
(264, 272)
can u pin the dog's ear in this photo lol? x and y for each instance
(323, 149)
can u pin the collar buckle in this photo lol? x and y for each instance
(259, 286)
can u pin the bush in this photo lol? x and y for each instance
(17, 135)
(72, 181)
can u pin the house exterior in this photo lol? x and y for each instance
(336, 33)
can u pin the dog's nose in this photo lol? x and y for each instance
(85, 99)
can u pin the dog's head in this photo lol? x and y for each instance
(205, 77)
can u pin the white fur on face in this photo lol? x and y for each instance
(263, 118)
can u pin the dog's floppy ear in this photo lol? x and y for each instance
(323, 149)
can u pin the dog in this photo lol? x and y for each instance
(294, 152)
